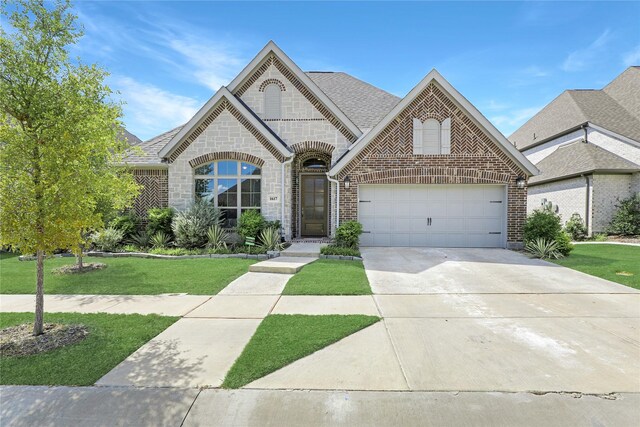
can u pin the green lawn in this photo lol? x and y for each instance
(329, 277)
(284, 338)
(606, 261)
(124, 276)
(112, 337)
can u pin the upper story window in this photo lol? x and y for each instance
(232, 186)
(272, 101)
(431, 136)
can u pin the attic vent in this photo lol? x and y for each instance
(272, 101)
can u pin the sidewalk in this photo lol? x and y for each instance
(109, 406)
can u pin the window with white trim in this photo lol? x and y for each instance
(231, 185)
(272, 102)
(431, 136)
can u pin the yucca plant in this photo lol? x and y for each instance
(217, 237)
(141, 239)
(543, 249)
(270, 239)
(160, 240)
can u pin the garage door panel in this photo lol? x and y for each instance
(461, 215)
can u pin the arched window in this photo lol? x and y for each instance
(232, 186)
(272, 101)
(314, 163)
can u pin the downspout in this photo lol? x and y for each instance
(587, 202)
(337, 198)
(585, 128)
(282, 214)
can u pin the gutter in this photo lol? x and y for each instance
(337, 198)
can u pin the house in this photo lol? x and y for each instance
(316, 149)
(586, 144)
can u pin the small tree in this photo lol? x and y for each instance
(59, 137)
(626, 220)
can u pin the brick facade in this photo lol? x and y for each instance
(475, 159)
(155, 190)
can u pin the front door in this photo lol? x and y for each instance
(314, 205)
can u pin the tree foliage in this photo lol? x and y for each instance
(60, 134)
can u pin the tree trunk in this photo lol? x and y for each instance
(79, 258)
(38, 327)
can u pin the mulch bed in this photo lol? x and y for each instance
(73, 269)
(624, 239)
(19, 340)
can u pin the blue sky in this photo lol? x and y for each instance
(508, 58)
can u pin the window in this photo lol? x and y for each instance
(432, 137)
(314, 164)
(232, 186)
(272, 101)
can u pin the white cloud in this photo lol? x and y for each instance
(150, 110)
(535, 71)
(581, 59)
(509, 122)
(632, 57)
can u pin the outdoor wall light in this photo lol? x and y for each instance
(521, 182)
(347, 182)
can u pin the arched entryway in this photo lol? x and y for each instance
(311, 194)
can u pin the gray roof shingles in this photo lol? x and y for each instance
(364, 104)
(577, 158)
(616, 108)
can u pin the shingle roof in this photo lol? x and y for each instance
(616, 108)
(577, 158)
(151, 147)
(364, 104)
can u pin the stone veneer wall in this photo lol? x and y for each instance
(608, 191)
(154, 192)
(475, 159)
(226, 134)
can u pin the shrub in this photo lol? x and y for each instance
(159, 219)
(348, 234)
(108, 239)
(190, 227)
(270, 239)
(160, 240)
(217, 237)
(543, 248)
(563, 240)
(127, 222)
(600, 237)
(542, 223)
(575, 227)
(626, 220)
(176, 251)
(250, 224)
(337, 250)
(141, 240)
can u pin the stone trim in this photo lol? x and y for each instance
(155, 190)
(320, 146)
(226, 155)
(225, 105)
(273, 60)
(432, 175)
(267, 82)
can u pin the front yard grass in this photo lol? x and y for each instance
(329, 277)
(618, 263)
(124, 276)
(112, 337)
(284, 338)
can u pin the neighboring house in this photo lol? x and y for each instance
(586, 144)
(317, 149)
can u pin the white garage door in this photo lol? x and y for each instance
(433, 215)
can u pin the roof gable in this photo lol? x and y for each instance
(271, 54)
(462, 103)
(221, 101)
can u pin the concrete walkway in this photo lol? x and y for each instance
(116, 406)
(281, 265)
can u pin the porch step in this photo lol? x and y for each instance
(282, 265)
(303, 249)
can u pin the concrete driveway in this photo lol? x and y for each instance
(495, 320)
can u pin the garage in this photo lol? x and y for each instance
(433, 215)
